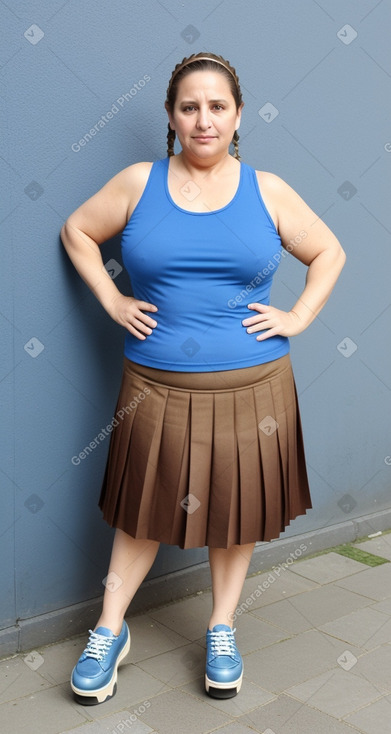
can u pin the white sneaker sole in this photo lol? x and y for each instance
(222, 689)
(108, 690)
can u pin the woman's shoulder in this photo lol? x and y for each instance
(270, 180)
(136, 172)
(279, 194)
(271, 187)
(132, 180)
(275, 185)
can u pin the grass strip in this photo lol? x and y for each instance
(357, 554)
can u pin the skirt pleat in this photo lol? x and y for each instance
(223, 467)
(251, 512)
(206, 459)
(269, 450)
(200, 466)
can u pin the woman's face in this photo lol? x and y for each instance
(205, 115)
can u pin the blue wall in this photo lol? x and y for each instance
(65, 67)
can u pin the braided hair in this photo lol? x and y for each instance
(202, 62)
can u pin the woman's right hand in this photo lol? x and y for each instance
(128, 312)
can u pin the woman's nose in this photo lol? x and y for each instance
(203, 120)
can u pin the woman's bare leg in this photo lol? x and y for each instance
(130, 562)
(228, 568)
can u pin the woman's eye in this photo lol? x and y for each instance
(189, 108)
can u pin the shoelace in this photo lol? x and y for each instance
(98, 645)
(223, 643)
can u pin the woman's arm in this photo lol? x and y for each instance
(310, 240)
(97, 220)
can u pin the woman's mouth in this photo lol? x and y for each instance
(204, 137)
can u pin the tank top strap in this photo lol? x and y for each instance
(251, 194)
(158, 173)
(248, 182)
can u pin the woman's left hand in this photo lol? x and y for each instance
(272, 322)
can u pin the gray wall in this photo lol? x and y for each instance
(331, 141)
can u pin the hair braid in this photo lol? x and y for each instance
(200, 62)
(235, 141)
(170, 140)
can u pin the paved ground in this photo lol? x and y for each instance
(314, 635)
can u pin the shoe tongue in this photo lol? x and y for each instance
(104, 631)
(221, 628)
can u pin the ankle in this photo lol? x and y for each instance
(114, 625)
(222, 619)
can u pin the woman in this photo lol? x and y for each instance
(206, 448)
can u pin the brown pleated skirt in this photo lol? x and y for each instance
(206, 458)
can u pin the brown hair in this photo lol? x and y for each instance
(202, 62)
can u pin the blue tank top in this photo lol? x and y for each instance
(201, 269)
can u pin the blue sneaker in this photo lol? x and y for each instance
(94, 677)
(224, 664)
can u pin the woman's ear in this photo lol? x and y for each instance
(239, 116)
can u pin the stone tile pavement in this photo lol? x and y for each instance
(315, 636)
